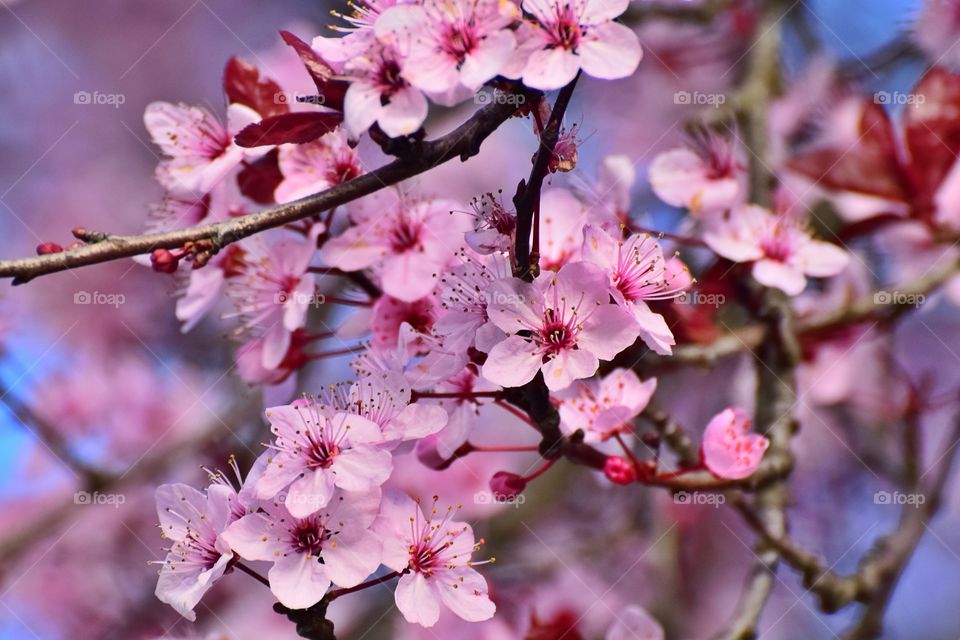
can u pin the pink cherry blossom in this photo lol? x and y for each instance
(313, 453)
(408, 241)
(379, 94)
(562, 217)
(709, 178)
(315, 166)
(637, 272)
(201, 150)
(462, 412)
(569, 36)
(494, 225)
(275, 291)
(729, 450)
(570, 322)
(199, 556)
(604, 407)
(332, 545)
(435, 551)
(464, 296)
(451, 43)
(781, 251)
(389, 314)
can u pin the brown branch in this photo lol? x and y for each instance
(464, 142)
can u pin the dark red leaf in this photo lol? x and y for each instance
(330, 90)
(297, 127)
(932, 128)
(870, 166)
(243, 85)
(259, 179)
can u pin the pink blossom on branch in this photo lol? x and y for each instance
(729, 450)
(601, 408)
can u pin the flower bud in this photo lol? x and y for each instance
(48, 248)
(619, 470)
(164, 261)
(507, 486)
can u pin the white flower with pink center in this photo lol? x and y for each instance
(435, 555)
(315, 166)
(709, 178)
(570, 35)
(562, 324)
(603, 408)
(202, 151)
(408, 241)
(333, 545)
(637, 272)
(451, 43)
(312, 453)
(379, 93)
(782, 252)
(275, 291)
(729, 450)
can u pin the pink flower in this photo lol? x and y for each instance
(494, 226)
(568, 322)
(202, 151)
(435, 553)
(462, 412)
(334, 544)
(409, 241)
(313, 453)
(637, 272)
(379, 93)
(782, 252)
(562, 216)
(275, 292)
(315, 166)
(602, 408)
(463, 294)
(568, 36)
(709, 178)
(389, 314)
(451, 43)
(634, 623)
(729, 450)
(194, 521)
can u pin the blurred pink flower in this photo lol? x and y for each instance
(729, 450)
(604, 407)
(315, 166)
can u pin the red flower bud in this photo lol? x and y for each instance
(619, 470)
(164, 261)
(47, 248)
(506, 486)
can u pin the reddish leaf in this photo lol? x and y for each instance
(297, 127)
(932, 128)
(259, 179)
(243, 85)
(331, 91)
(870, 166)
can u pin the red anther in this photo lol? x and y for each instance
(47, 248)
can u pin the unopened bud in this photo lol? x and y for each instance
(48, 248)
(164, 261)
(619, 470)
(506, 486)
